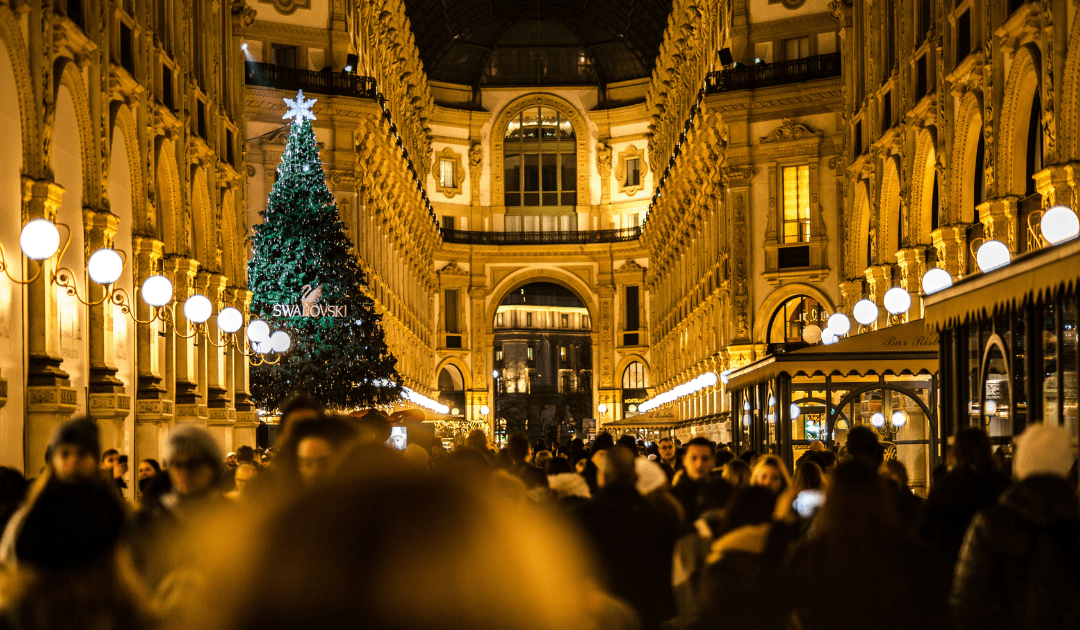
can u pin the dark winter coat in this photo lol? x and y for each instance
(1019, 568)
(633, 544)
(947, 512)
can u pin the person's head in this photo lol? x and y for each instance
(770, 472)
(737, 472)
(230, 460)
(628, 441)
(616, 468)
(542, 458)
(477, 440)
(971, 450)
(828, 461)
(666, 447)
(722, 457)
(74, 451)
(266, 459)
(808, 476)
(698, 458)
(148, 468)
(245, 454)
(863, 445)
(193, 458)
(579, 461)
(518, 447)
(896, 470)
(1043, 449)
(298, 408)
(372, 426)
(245, 472)
(109, 459)
(602, 442)
(318, 443)
(748, 505)
(817, 445)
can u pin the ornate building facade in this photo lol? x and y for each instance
(123, 125)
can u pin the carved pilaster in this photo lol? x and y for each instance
(851, 291)
(181, 352)
(1000, 219)
(951, 245)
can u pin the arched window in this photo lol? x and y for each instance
(450, 379)
(792, 316)
(540, 171)
(633, 376)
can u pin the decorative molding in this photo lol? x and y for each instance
(630, 266)
(459, 172)
(452, 268)
(788, 131)
(288, 7)
(631, 152)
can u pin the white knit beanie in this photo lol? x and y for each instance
(650, 476)
(1043, 449)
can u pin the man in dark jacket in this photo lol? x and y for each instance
(973, 483)
(1019, 566)
(697, 463)
(633, 540)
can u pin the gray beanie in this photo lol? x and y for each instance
(196, 444)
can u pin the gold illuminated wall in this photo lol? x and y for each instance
(123, 121)
(961, 126)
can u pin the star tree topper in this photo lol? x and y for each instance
(300, 108)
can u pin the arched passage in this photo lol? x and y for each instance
(122, 204)
(773, 304)
(542, 357)
(67, 165)
(1020, 102)
(890, 220)
(925, 200)
(967, 182)
(167, 189)
(11, 294)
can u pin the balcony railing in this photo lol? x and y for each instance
(329, 83)
(517, 299)
(580, 237)
(763, 75)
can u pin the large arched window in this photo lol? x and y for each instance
(789, 320)
(635, 382)
(540, 171)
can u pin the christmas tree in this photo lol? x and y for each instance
(306, 282)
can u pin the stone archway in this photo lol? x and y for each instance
(967, 133)
(890, 232)
(1020, 90)
(923, 189)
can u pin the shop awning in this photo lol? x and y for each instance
(1034, 276)
(906, 349)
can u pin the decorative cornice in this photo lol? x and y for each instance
(788, 131)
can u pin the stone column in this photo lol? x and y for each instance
(190, 405)
(1058, 186)
(481, 374)
(246, 420)
(221, 416)
(605, 346)
(108, 402)
(153, 402)
(951, 245)
(50, 399)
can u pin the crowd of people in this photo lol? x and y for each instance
(337, 526)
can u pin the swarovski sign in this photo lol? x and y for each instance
(309, 306)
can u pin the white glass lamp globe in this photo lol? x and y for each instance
(811, 333)
(991, 407)
(935, 280)
(280, 341)
(708, 379)
(1059, 224)
(828, 337)
(259, 332)
(992, 255)
(197, 309)
(157, 291)
(602, 408)
(899, 419)
(839, 323)
(105, 266)
(484, 410)
(865, 312)
(772, 401)
(443, 409)
(724, 376)
(795, 411)
(878, 419)
(40, 239)
(494, 374)
(261, 347)
(229, 320)
(897, 300)
(746, 406)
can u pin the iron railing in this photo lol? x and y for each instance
(329, 83)
(578, 237)
(515, 299)
(763, 75)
